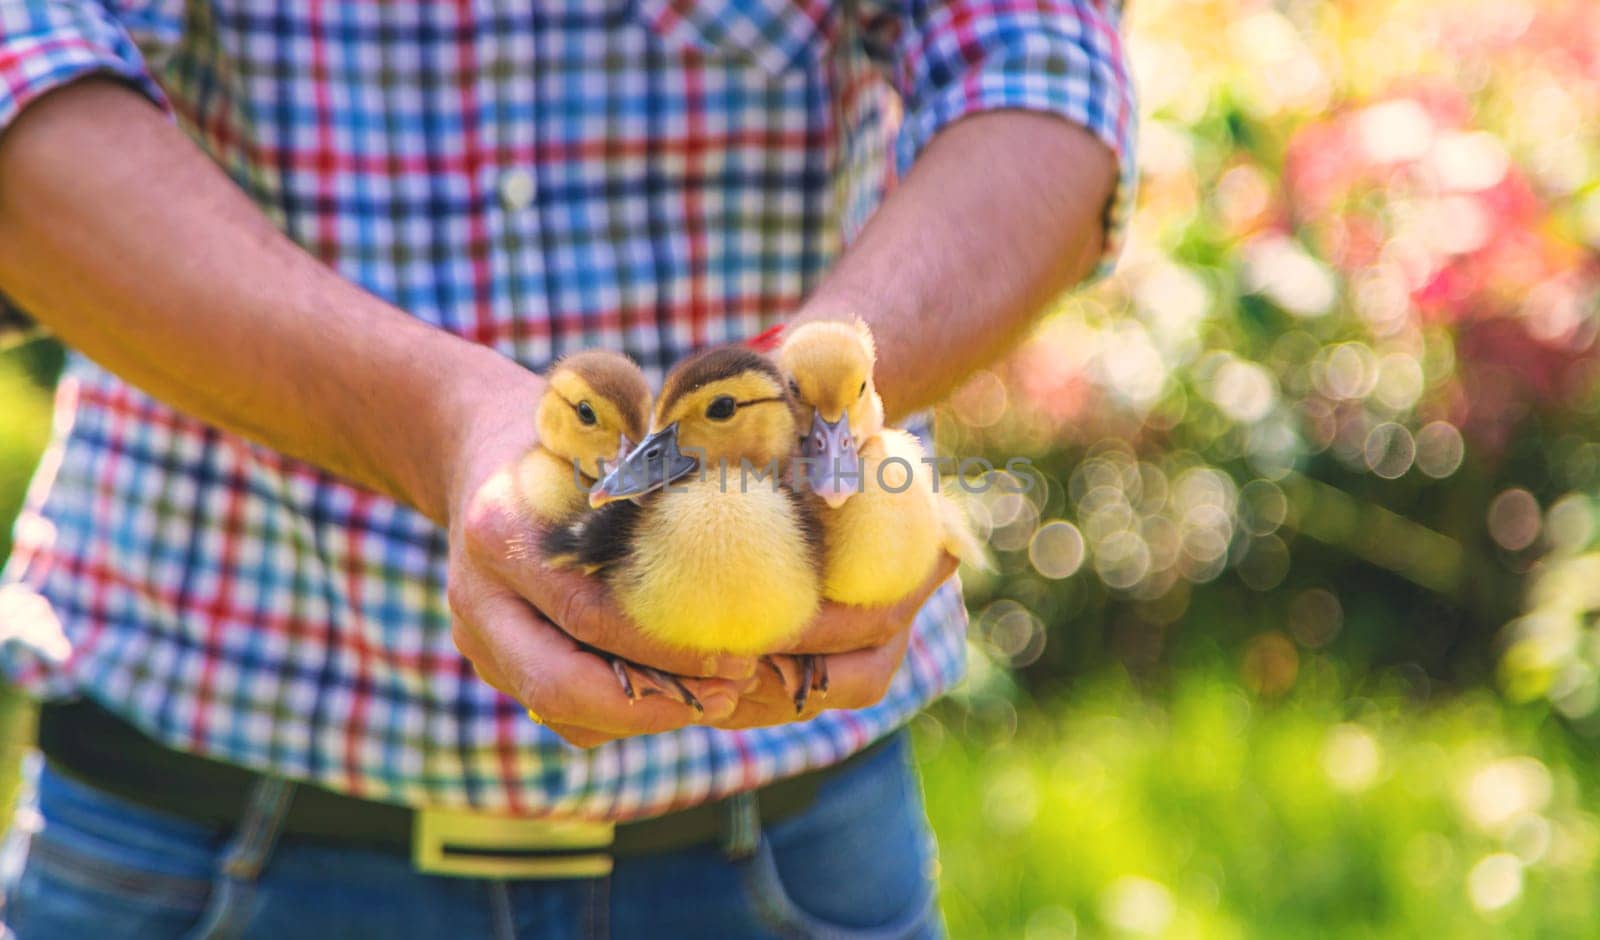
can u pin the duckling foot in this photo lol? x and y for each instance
(813, 677)
(654, 682)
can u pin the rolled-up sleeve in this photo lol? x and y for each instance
(45, 44)
(953, 58)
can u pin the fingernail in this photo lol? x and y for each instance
(718, 705)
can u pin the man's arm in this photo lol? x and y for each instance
(123, 239)
(1015, 117)
(1003, 212)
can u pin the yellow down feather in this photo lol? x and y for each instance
(720, 570)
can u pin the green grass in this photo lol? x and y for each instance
(1208, 813)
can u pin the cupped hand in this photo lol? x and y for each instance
(864, 647)
(524, 625)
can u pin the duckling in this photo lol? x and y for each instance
(885, 523)
(701, 545)
(595, 404)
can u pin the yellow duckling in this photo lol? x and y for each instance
(595, 405)
(702, 546)
(885, 523)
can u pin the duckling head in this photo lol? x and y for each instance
(720, 407)
(829, 366)
(596, 404)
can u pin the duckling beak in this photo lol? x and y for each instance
(832, 466)
(654, 463)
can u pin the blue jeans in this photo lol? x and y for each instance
(856, 863)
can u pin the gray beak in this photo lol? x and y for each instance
(833, 468)
(654, 463)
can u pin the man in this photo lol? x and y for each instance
(270, 552)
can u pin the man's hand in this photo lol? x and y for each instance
(507, 605)
(865, 647)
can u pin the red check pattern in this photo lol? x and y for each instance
(647, 175)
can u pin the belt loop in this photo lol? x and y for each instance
(741, 825)
(245, 856)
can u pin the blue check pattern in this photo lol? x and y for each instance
(653, 176)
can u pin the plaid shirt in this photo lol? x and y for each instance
(646, 175)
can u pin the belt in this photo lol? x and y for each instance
(90, 743)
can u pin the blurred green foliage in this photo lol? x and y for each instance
(1339, 398)
(1328, 430)
(24, 423)
(1206, 812)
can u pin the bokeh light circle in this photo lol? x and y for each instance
(1263, 507)
(1389, 451)
(1440, 449)
(1570, 523)
(1315, 617)
(1056, 549)
(1514, 519)
(1265, 563)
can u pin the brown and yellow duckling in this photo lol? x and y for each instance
(596, 404)
(702, 546)
(885, 523)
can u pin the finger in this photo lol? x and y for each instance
(477, 656)
(583, 607)
(861, 679)
(841, 628)
(483, 666)
(764, 715)
(772, 705)
(857, 679)
(548, 672)
(786, 672)
(583, 738)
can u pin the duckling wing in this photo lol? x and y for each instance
(957, 535)
(596, 540)
(959, 538)
(881, 544)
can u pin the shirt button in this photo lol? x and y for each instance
(517, 190)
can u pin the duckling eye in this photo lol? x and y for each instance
(794, 388)
(721, 408)
(862, 390)
(586, 413)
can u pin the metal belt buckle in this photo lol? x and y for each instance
(479, 845)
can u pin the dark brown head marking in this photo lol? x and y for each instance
(614, 376)
(712, 365)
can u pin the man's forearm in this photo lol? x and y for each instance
(123, 239)
(1002, 213)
